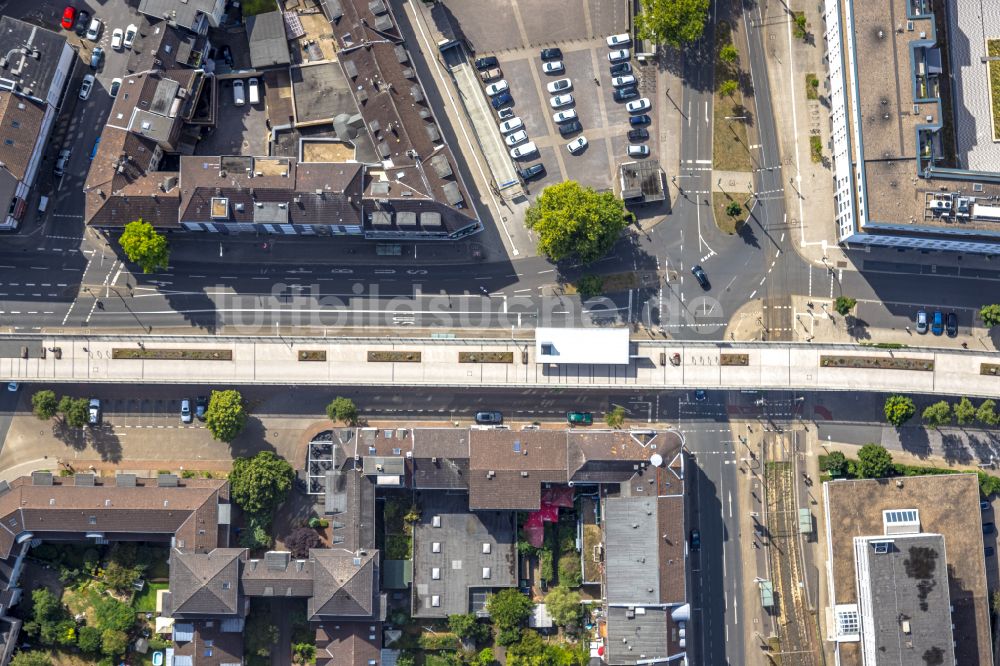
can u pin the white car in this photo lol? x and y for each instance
(564, 115)
(635, 150)
(620, 81)
(497, 87)
(619, 56)
(86, 86)
(511, 124)
(559, 86)
(130, 32)
(618, 40)
(561, 100)
(553, 67)
(577, 144)
(524, 150)
(239, 93)
(94, 29)
(637, 105)
(116, 39)
(516, 138)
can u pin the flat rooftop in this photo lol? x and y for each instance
(595, 346)
(970, 24)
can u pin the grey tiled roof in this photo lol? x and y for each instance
(263, 579)
(632, 568)
(205, 584)
(345, 584)
(268, 44)
(34, 74)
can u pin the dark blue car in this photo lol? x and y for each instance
(937, 324)
(637, 121)
(503, 99)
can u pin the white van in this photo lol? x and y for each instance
(239, 99)
(253, 92)
(43, 203)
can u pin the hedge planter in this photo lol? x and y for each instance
(485, 357)
(734, 359)
(394, 357)
(173, 354)
(312, 355)
(991, 369)
(876, 363)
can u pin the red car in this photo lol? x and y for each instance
(69, 15)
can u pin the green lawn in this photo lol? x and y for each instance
(993, 51)
(145, 602)
(254, 7)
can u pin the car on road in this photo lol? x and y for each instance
(62, 162)
(116, 85)
(532, 171)
(239, 93)
(622, 81)
(68, 17)
(638, 150)
(700, 395)
(951, 324)
(553, 67)
(524, 150)
(921, 321)
(937, 323)
(489, 418)
(984, 505)
(618, 40)
(564, 115)
(577, 144)
(93, 151)
(13, 387)
(636, 121)
(497, 87)
(130, 32)
(86, 86)
(621, 69)
(515, 138)
(699, 274)
(486, 63)
(501, 100)
(94, 29)
(560, 100)
(579, 418)
(625, 94)
(185, 411)
(511, 124)
(638, 134)
(638, 105)
(200, 407)
(94, 412)
(694, 538)
(619, 56)
(572, 127)
(82, 21)
(117, 37)
(559, 85)
(551, 54)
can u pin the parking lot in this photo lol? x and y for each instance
(242, 130)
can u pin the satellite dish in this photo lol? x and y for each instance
(656, 460)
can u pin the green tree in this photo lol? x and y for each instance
(261, 483)
(256, 534)
(89, 640)
(575, 222)
(33, 658)
(144, 246)
(674, 22)
(616, 417)
(120, 577)
(226, 415)
(563, 605)
(799, 30)
(899, 409)
(342, 409)
(485, 658)
(728, 88)
(508, 608)
(114, 642)
(733, 208)
(406, 658)
(844, 304)
(938, 414)
(987, 414)
(874, 462)
(728, 54)
(467, 626)
(303, 653)
(835, 464)
(589, 286)
(113, 614)
(73, 411)
(965, 412)
(44, 404)
(990, 314)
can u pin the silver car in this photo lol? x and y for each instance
(516, 137)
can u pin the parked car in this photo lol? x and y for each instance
(490, 74)
(117, 37)
(551, 54)
(515, 138)
(694, 537)
(699, 274)
(130, 32)
(636, 121)
(504, 114)
(622, 81)
(619, 55)
(94, 29)
(62, 162)
(82, 21)
(989, 528)
(501, 100)
(93, 151)
(621, 69)
(200, 407)
(533, 171)
(13, 387)
(937, 324)
(116, 85)
(625, 94)
(951, 324)
(86, 86)
(577, 144)
(579, 418)
(564, 115)
(989, 551)
(96, 57)
(572, 127)
(239, 93)
(618, 40)
(253, 91)
(497, 87)
(560, 100)
(638, 150)
(553, 67)
(185, 411)
(638, 105)
(511, 124)
(984, 505)
(68, 17)
(700, 395)
(559, 85)
(524, 150)
(486, 63)
(227, 55)
(638, 135)
(94, 412)
(489, 418)
(921, 321)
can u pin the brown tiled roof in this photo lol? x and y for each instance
(603, 456)
(346, 583)
(205, 584)
(375, 438)
(670, 528)
(348, 643)
(440, 443)
(211, 646)
(20, 123)
(519, 462)
(504, 490)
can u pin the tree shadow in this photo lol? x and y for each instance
(76, 438)
(105, 443)
(984, 445)
(954, 448)
(252, 440)
(858, 328)
(915, 441)
(746, 233)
